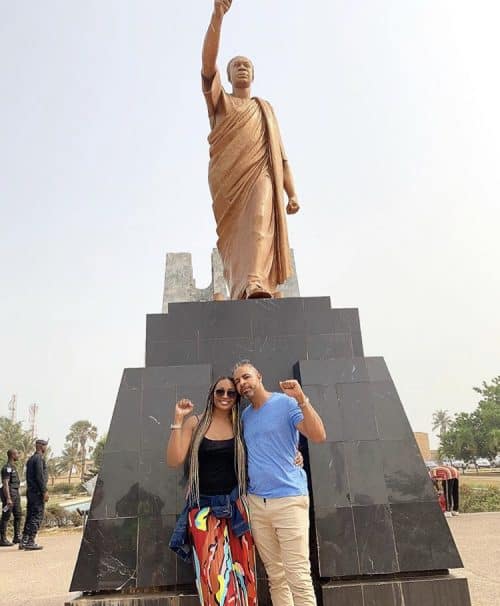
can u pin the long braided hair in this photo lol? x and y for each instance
(191, 466)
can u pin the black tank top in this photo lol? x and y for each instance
(216, 466)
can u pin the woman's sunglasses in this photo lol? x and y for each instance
(231, 393)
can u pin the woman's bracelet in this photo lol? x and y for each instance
(176, 426)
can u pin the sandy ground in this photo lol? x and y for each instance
(42, 578)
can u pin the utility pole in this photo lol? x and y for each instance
(13, 408)
(32, 419)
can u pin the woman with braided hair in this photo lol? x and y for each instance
(213, 529)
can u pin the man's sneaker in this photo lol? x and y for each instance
(17, 540)
(22, 542)
(447, 514)
(31, 546)
(5, 543)
(455, 513)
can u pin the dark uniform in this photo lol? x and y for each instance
(36, 480)
(9, 474)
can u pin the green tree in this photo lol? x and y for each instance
(13, 435)
(488, 411)
(53, 468)
(81, 433)
(99, 452)
(69, 459)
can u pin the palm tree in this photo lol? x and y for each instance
(80, 434)
(53, 467)
(69, 459)
(441, 420)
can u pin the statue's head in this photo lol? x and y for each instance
(240, 72)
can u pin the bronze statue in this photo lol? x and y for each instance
(247, 174)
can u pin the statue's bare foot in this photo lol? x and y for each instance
(255, 291)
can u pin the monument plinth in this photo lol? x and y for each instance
(378, 536)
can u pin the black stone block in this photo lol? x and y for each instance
(108, 556)
(331, 372)
(125, 420)
(365, 473)
(391, 424)
(383, 594)
(158, 565)
(161, 489)
(117, 489)
(316, 304)
(325, 401)
(356, 408)
(338, 555)
(279, 318)
(357, 344)
(445, 591)
(222, 354)
(423, 538)
(375, 539)
(406, 476)
(335, 345)
(346, 595)
(174, 351)
(329, 475)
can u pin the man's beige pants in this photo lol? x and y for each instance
(280, 529)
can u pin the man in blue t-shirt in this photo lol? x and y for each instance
(277, 488)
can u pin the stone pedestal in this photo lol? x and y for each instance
(180, 285)
(378, 537)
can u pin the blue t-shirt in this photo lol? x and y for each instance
(271, 438)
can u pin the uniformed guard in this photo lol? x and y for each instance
(11, 499)
(36, 480)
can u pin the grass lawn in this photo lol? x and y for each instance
(485, 477)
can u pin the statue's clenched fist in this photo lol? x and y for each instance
(293, 206)
(221, 7)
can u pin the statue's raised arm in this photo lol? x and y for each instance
(212, 38)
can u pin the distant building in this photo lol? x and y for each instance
(423, 445)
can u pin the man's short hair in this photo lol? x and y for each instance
(41, 442)
(241, 363)
(10, 452)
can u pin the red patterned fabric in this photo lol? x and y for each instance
(440, 473)
(224, 563)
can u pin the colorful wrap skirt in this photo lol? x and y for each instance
(216, 536)
(224, 562)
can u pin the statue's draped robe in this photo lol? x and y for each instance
(246, 182)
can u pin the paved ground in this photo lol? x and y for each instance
(42, 578)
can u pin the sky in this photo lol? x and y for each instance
(390, 116)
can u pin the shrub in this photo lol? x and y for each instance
(474, 499)
(62, 488)
(65, 488)
(58, 517)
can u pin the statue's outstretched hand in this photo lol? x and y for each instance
(293, 206)
(221, 7)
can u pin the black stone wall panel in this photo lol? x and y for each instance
(135, 492)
